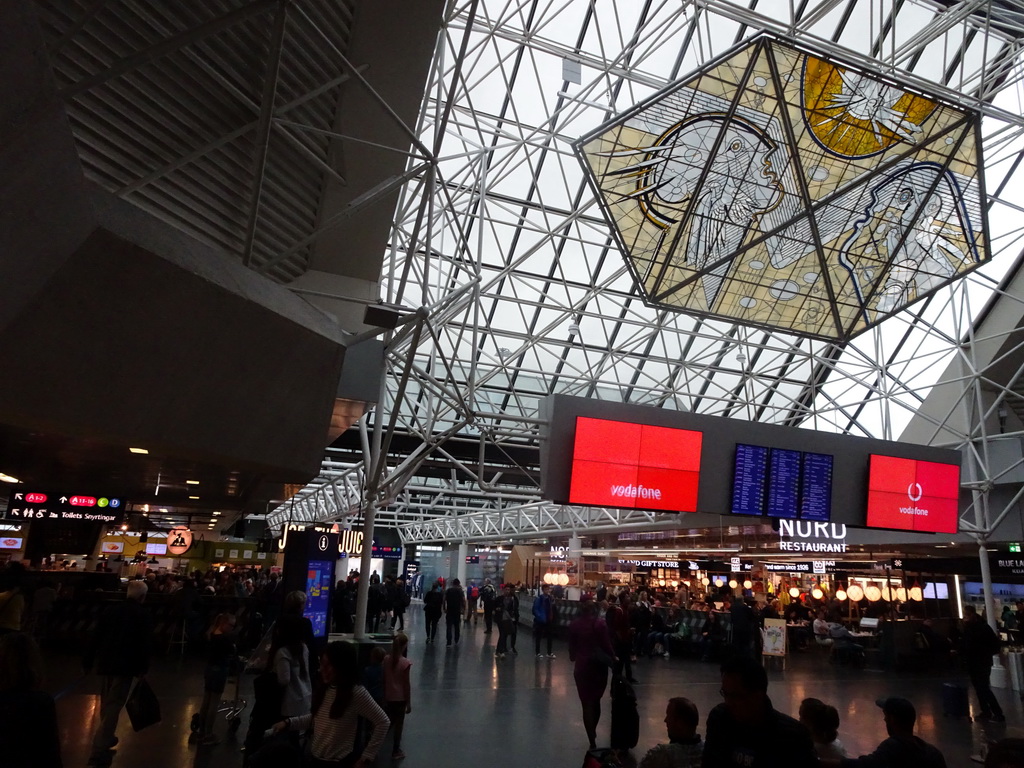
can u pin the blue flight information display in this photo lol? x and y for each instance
(782, 483)
(318, 594)
(816, 488)
(748, 480)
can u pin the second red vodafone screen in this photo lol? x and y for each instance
(621, 464)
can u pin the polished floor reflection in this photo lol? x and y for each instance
(470, 709)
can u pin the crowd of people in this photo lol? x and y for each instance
(311, 701)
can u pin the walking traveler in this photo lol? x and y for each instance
(590, 650)
(543, 618)
(980, 644)
(507, 615)
(454, 606)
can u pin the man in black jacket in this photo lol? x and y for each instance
(454, 606)
(980, 644)
(745, 731)
(120, 650)
(902, 748)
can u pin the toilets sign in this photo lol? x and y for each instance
(805, 536)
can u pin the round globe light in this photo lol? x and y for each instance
(748, 584)
(855, 592)
(817, 594)
(840, 594)
(873, 593)
(794, 592)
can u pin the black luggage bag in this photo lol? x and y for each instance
(625, 718)
(954, 700)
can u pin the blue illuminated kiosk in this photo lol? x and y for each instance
(309, 561)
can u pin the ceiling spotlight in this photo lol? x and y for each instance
(574, 326)
(193, 497)
(191, 482)
(143, 451)
(164, 510)
(8, 478)
(215, 514)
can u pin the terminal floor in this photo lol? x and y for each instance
(470, 709)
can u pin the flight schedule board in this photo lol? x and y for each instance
(782, 483)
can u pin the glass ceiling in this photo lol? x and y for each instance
(505, 243)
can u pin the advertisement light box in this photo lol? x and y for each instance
(637, 466)
(912, 495)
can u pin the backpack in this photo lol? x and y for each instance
(474, 592)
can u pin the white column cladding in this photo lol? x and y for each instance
(574, 556)
(460, 567)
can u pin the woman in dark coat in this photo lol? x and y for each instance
(28, 717)
(590, 650)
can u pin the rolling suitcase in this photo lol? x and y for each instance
(954, 700)
(625, 718)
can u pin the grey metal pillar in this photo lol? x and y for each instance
(365, 564)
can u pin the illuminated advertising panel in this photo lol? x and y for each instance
(912, 495)
(318, 594)
(638, 466)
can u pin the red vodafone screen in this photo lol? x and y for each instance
(913, 495)
(639, 466)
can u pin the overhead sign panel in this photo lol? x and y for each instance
(633, 457)
(640, 466)
(913, 495)
(38, 505)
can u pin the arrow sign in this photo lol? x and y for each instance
(17, 496)
(63, 499)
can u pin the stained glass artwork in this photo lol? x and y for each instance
(785, 190)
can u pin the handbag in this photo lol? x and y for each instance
(599, 656)
(143, 706)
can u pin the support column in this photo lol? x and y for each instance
(460, 567)
(574, 555)
(365, 564)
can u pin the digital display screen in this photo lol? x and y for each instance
(782, 483)
(318, 594)
(913, 495)
(816, 487)
(749, 480)
(936, 590)
(638, 466)
(156, 549)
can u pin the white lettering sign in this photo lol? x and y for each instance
(635, 492)
(834, 533)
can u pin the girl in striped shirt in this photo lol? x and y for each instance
(336, 713)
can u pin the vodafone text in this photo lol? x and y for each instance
(635, 492)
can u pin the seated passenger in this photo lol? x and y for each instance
(822, 720)
(684, 745)
(901, 749)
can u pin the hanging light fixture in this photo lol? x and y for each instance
(748, 584)
(873, 593)
(855, 592)
(841, 594)
(675, 584)
(733, 583)
(916, 593)
(886, 592)
(901, 594)
(817, 594)
(794, 592)
(719, 582)
(705, 581)
(563, 579)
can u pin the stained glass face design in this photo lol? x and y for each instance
(780, 189)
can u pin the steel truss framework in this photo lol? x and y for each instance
(521, 293)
